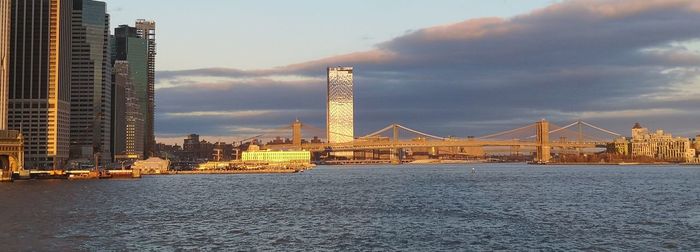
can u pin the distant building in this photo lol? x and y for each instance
(316, 140)
(146, 29)
(301, 157)
(40, 65)
(128, 120)
(222, 152)
(131, 48)
(91, 88)
(205, 150)
(340, 114)
(171, 152)
(197, 150)
(620, 146)
(660, 145)
(340, 105)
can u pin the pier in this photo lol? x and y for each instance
(70, 174)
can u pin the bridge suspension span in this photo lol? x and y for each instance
(541, 135)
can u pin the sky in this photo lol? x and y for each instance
(445, 67)
(268, 33)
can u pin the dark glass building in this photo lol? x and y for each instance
(132, 50)
(91, 86)
(147, 29)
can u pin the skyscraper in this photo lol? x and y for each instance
(340, 105)
(39, 100)
(4, 60)
(147, 29)
(11, 141)
(132, 49)
(90, 81)
(128, 127)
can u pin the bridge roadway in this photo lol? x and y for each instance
(380, 145)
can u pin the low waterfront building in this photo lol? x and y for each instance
(268, 156)
(660, 145)
(152, 165)
(214, 166)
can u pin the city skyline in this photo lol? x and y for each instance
(565, 61)
(56, 60)
(413, 125)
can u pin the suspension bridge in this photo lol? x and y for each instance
(543, 137)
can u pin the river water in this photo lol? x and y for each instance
(395, 208)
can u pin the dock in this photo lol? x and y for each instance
(68, 174)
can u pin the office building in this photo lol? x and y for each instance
(91, 86)
(127, 117)
(133, 51)
(120, 79)
(147, 29)
(39, 93)
(5, 6)
(11, 141)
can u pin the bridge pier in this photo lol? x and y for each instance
(395, 156)
(543, 155)
(395, 153)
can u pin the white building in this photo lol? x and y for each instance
(660, 145)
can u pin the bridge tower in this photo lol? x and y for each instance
(543, 147)
(296, 134)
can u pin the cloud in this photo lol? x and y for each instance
(614, 62)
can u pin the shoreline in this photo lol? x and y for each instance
(228, 172)
(615, 164)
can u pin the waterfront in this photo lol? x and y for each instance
(413, 207)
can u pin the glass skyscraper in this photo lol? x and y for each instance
(128, 127)
(340, 106)
(132, 49)
(91, 86)
(147, 29)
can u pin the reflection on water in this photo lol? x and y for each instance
(364, 208)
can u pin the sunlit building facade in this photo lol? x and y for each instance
(340, 105)
(4, 59)
(660, 145)
(39, 93)
(11, 141)
(303, 157)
